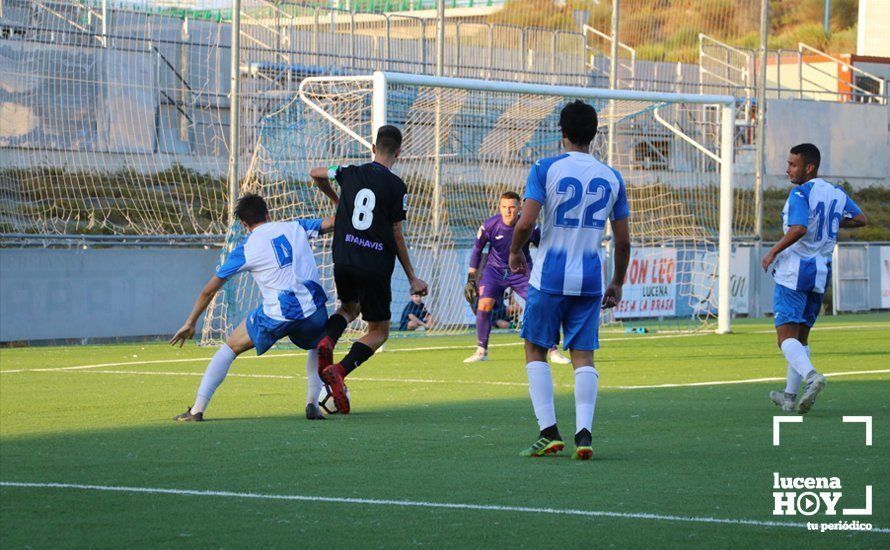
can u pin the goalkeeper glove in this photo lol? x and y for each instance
(470, 291)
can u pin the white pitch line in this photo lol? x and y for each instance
(427, 348)
(475, 382)
(746, 381)
(415, 504)
(303, 354)
(830, 327)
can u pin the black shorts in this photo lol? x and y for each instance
(370, 289)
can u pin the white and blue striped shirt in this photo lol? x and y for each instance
(819, 206)
(578, 193)
(280, 259)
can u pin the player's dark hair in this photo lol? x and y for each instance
(808, 152)
(578, 122)
(511, 195)
(251, 209)
(389, 139)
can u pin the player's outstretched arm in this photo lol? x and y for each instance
(621, 242)
(418, 286)
(522, 233)
(187, 332)
(794, 234)
(320, 176)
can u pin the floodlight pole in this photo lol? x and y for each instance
(437, 161)
(610, 144)
(234, 114)
(760, 160)
(613, 80)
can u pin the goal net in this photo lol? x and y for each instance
(468, 141)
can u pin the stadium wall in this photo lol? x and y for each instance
(65, 294)
(854, 139)
(48, 294)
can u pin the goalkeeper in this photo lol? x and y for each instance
(497, 233)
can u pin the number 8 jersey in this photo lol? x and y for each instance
(372, 199)
(578, 193)
(819, 206)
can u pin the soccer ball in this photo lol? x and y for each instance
(327, 403)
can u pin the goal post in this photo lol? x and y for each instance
(466, 141)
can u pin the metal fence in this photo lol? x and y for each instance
(71, 70)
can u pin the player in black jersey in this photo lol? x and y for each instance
(368, 237)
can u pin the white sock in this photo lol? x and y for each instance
(797, 357)
(313, 385)
(540, 387)
(586, 385)
(794, 379)
(214, 375)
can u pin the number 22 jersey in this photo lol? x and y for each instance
(372, 199)
(577, 193)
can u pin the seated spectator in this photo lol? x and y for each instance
(415, 315)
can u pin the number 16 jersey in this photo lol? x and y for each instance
(578, 193)
(819, 206)
(372, 199)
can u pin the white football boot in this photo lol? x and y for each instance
(782, 400)
(815, 383)
(558, 358)
(480, 355)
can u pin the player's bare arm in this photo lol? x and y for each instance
(187, 332)
(621, 241)
(522, 234)
(319, 175)
(794, 234)
(860, 220)
(418, 286)
(327, 225)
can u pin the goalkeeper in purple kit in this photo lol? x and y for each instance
(496, 278)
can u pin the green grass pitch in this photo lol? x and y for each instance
(430, 455)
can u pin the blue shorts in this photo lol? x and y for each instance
(579, 317)
(265, 332)
(795, 306)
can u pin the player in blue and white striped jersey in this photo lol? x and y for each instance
(577, 194)
(281, 261)
(801, 267)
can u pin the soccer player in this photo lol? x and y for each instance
(801, 268)
(368, 237)
(576, 193)
(497, 233)
(278, 256)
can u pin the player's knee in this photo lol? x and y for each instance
(239, 344)
(486, 304)
(349, 310)
(581, 358)
(380, 329)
